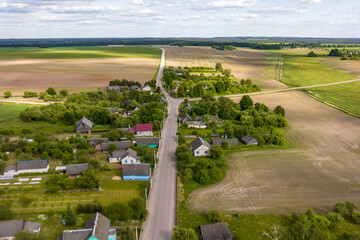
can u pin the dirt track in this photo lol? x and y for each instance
(83, 73)
(321, 169)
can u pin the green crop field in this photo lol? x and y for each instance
(299, 70)
(11, 110)
(81, 52)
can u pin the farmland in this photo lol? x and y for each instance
(76, 67)
(299, 70)
(313, 172)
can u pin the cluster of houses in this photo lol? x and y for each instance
(199, 123)
(201, 147)
(98, 228)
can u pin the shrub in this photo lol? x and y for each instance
(64, 92)
(51, 91)
(89, 208)
(335, 219)
(30, 94)
(312, 54)
(246, 102)
(184, 234)
(215, 152)
(214, 216)
(117, 211)
(7, 94)
(70, 217)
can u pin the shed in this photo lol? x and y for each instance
(114, 109)
(28, 166)
(248, 140)
(136, 171)
(217, 231)
(144, 129)
(152, 142)
(185, 118)
(105, 146)
(84, 125)
(76, 169)
(232, 141)
(9, 229)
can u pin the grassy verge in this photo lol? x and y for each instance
(81, 52)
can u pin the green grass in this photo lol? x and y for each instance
(299, 70)
(81, 52)
(17, 125)
(11, 110)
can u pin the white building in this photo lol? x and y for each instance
(28, 166)
(200, 147)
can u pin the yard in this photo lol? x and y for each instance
(11, 110)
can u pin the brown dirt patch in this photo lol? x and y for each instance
(75, 73)
(116, 178)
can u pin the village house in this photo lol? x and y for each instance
(142, 129)
(146, 88)
(28, 166)
(152, 142)
(233, 141)
(128, 156)
(96, 141)
(75, 170)
(136, 171)
(200, 147)
(9, 229)
(217, 231)
(96, 228)
(136, 87)
(196, 124)
(215, 118)
(84, 125)
(185, 118)
(248, 140)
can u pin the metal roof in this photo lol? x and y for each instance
(217, 231)
(148, 140)
(142, 169)
(32, 164)
(84, 121)
(76, 169)
(232, 141)
(248, 140)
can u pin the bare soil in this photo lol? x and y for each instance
(352, 67)
(75, 73)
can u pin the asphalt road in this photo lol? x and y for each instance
(160, 223)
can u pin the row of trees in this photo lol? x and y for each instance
(224, 47)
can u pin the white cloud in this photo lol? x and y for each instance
(311, 1)
(281, 9)
(138, 2)
(221, 4)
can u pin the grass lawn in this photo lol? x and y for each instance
(17, 125)
(81, 52)
(11, 110)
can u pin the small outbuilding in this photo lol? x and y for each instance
(185, 118)
(75, 170)
(217, 231)
(84, 125)
(200, 147)
(114, 109)
(28, 166)
(144, 129)
(9, 229)
(233, 141)
(137, 171)
(248, 140)
(120, 145)
(196, 124)
(146, 88)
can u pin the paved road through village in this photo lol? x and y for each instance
(162, 200)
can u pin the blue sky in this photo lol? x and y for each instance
(175, 18)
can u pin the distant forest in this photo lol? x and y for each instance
(252, 42)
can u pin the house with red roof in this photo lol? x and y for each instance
(144, 129)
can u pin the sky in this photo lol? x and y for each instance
(175, 18)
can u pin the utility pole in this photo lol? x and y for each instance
(146, 202)
(154, 159)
